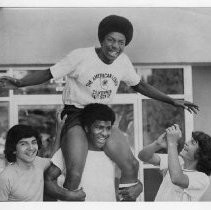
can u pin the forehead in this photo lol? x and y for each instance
(102, 123)
(116, 35)
(30, 139)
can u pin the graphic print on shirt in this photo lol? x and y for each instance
(102, 85)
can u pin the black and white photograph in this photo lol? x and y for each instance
(105, 104)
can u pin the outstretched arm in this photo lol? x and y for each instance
(35, 78)
(57, 192)
(177, 176)
(154, 93)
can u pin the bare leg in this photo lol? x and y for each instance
(117, 148)
(74, 146)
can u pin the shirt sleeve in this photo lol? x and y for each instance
(67, 65)
(58, 160)
(198, 184)
(163, 161)
(131, 78)
(4, 188)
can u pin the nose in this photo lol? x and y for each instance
(30, 146)
(115, 45)
(104, 132)
(186, 144)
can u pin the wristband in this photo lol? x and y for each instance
(127, 185)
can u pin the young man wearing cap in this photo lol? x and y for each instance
(93, 76)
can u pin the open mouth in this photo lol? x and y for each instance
(31, 154)
(113, 53)
(102, 140)
(185, 149)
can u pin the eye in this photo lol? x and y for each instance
(109, 39)
(122, 43)
(193, 141)
(109, 128)
(34, 142)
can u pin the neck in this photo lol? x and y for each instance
(102, 57)
(23, 165)
(190, 165)
(93, 147)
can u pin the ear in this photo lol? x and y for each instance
(14, 152)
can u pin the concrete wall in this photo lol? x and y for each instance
(161, 35)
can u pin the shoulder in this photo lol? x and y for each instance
(42, 163)
(200, 175)
(197, 178)
(8, 172)
(125, 59)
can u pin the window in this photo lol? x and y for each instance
(4, 119)
(157, 116)
(140, 118)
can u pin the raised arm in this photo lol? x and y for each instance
(57, 192)
(176, 174)
(59, 124)
(154, 93)
(148, 153)
(35, 78)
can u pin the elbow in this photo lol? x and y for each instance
(143, 156)
(175, 180)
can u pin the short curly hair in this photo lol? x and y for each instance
(14, 135)
(203, 153)
(96, 111)
(115, 23)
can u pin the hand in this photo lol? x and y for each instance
(76, 195)
(60, 122)
(187, 105)
(9, 82)
(173, 134)
(131, 193)
(161, 140)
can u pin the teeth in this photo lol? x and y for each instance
(30, 154)
(114, 53)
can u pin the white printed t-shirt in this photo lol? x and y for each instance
(89, 80)
(198, 184)
(97, 178)
(17, 184)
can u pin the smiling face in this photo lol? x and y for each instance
(26, 150)
(112, 46)
(98, 134)
(189, 150)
